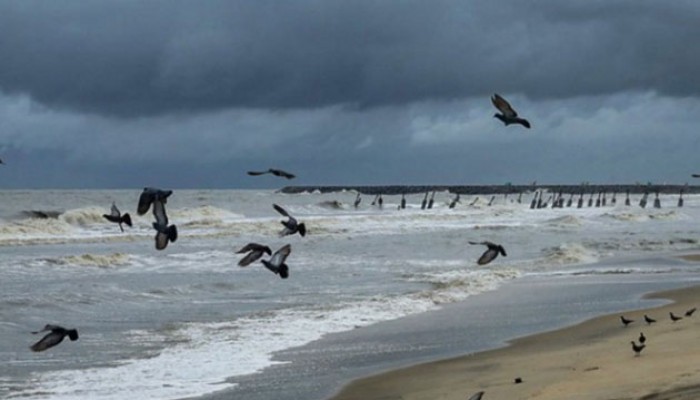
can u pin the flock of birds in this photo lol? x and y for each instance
(637, 348)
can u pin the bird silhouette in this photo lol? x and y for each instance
(508, 115)
(276, 172)
(291, 225)
(637, 348)
(477, 396)
(490, 253)
(255, 251)
(116, 216)
(648, 319)
(625, 321)
(674, 318)
(164, 233)
(54, 337)
(277, 264)
(690, 312)
(642, 339)
(147, 197)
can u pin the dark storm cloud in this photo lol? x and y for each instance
(141, 58)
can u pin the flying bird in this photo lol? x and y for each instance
(291, 226)
(625, 321)
(637, 349)
(54, 337)
(276, 172)
(164, 233)
(508, 115)
(116, 216)
(690, 312)
(255, 251)
(490, 253)
(477, 396)
(149, 195)
(276, 263)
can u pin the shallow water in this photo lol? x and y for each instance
(143, 314)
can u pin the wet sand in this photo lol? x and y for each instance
(592, 360)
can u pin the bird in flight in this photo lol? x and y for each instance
(276, 172)
(255, 251)
(276, 263)
(116, 216)
(508, 115)
(490, 253)
(54, 337)
(291, 226)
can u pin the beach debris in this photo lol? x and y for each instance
(637, 348)
(690, 312)
(674, 317)
(625, 321)
(490, 253)
(255, 251)
(276, 172)
(648, 319)
(508, 115)
(276, 263)
(477, 396)
(116, 216)
(54, 337)
(642, 339)
(291, 226)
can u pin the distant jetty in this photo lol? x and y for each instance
(497, 189)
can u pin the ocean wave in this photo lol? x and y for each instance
(84, 216)
(565, 220)
(40, 214)
(91, 260)
(202, 213)
(569, 253)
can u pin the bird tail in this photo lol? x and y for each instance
(302, 229)
(172, 233)
(126, 218)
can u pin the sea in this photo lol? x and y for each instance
(370, 288)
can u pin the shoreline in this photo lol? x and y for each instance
(588, 360)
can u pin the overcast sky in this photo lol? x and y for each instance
(188, 94)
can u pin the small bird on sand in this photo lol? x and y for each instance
(625, 321)
(490, 253)
(648, 320)
(255, 251)
(291, 226)
(690, 312)
(674, 318)
(276, 263)
(642, 338)
(276, 172)
(508, 115)
(477, 396)
(637, 348)
(116, 216)
(54, 337)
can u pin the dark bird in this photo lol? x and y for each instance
(477, 396)
(276, 172)
(642, 338)
(358, 199)
(625, 321)
(255, 251)
(695, 175)
(164, 233)
(424, 203)
(56, 335)
(403, 201)
(147, 197)
(674, 318)
(431, 201)
(508, 115)
(291, 226)
(648, 320)
(690, 312)
(637, 349)
(116, 216)
(490, 253)
(454, 201)
(276, 263)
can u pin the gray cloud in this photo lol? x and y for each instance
(135, 58)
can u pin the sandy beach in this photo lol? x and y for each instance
(593, 360)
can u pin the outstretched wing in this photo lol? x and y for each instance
(254, 246)
(145, 200)
(477, 396)
(256, 173)
(48, 341)
(283, 174)
(115, 211)
(503, 106)
(281, 255)
(488, 256)
(250, 257)
(281, 210)
(159, 213)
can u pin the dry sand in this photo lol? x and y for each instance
(593, 361)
